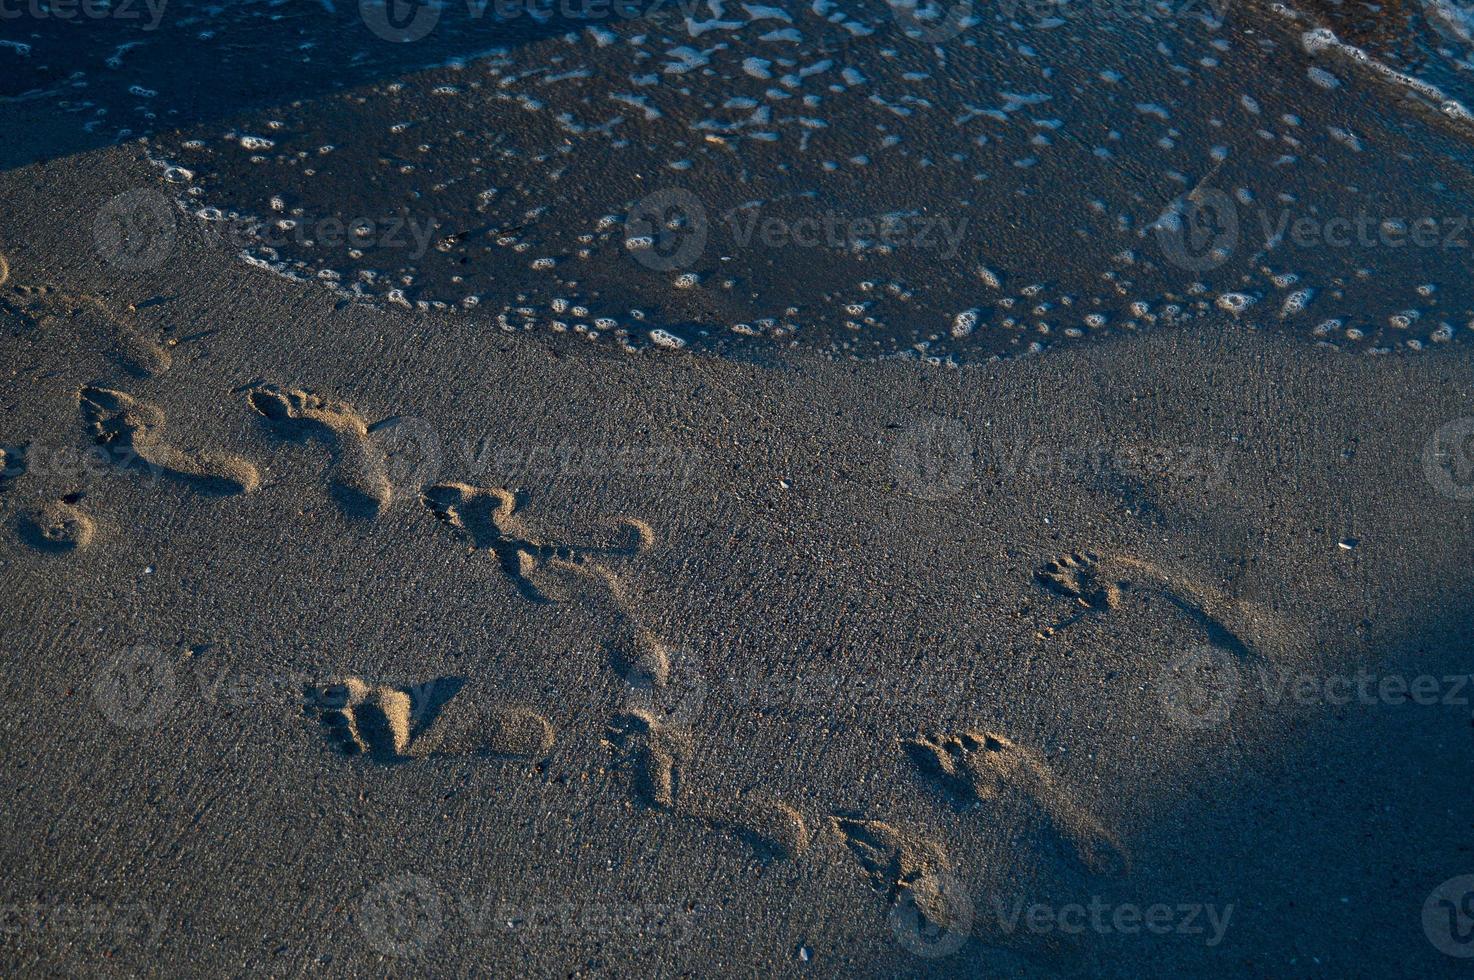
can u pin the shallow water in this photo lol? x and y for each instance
(855, 178)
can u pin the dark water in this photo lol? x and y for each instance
(856, 178)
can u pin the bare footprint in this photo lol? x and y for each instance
(928, 905)
(890, 859)
(771, 828)
(57, 527)
(395, 724)
(138, 352)
(132, 347)
(972, 767)
(488, 517)
(360, 719)
(133, 429)
(357, 475)
(648, 756)
(1098, 583)
(908, 868)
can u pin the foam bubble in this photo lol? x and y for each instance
(964, 323)
(1235, 303)
(666, 339)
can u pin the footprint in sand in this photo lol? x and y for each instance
(648, 756)
(1098, 584)
(132, 429)
(57, 527)
(357, 474)
(641, 659)
(890, 859)
(394, 724)
(488, 517)
(931, 912)
(973, 767)
(772, 829)
(135, 350)
(128, 344)
(928, 908)
(660, 680)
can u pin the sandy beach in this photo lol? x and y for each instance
(364, 638)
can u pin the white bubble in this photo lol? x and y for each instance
(964, 323)
(1235, 302)
(1295, 302)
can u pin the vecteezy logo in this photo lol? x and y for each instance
(400, 21)
(1199, 688)
(1199, 232)
(666, 230)
(1448, 917)
(401, 916)
(933, 917)
(411, 449)
(139, 924)
(134, 231)
(933, 460)
(930, 22)
(1448, 459)
(136, 689)
(677, 700)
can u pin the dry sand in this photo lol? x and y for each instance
(1079, 664)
